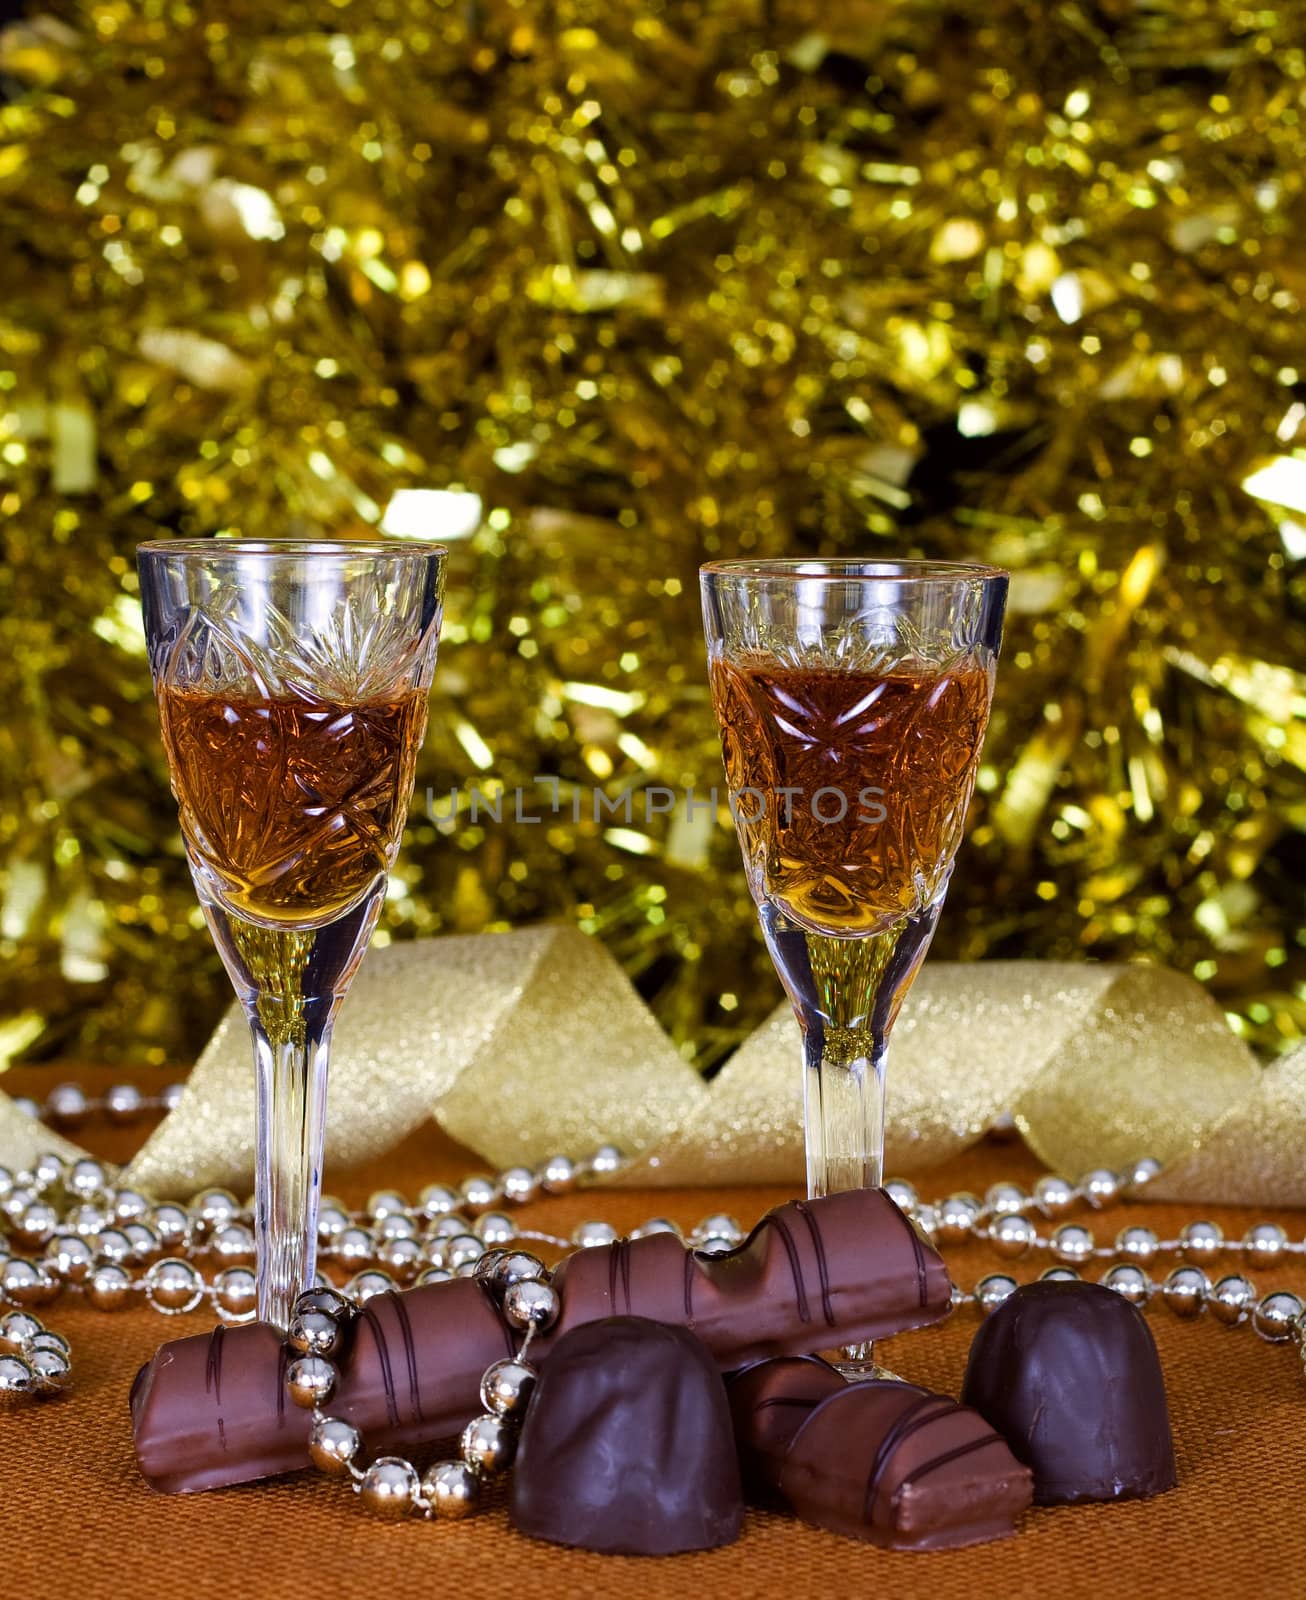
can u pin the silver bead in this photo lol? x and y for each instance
(45, 1340)
(36, 1223)
(927, 1220)
(27, 1283)
(1186, 1290)
(531, 1305)
(558, 1175)
(1100, 1187)
(1276, 1315)
(402, 1258)
(432, 1275)
(1129, 1281)
(233, 1246)
(1005, 1199)
(958, 1214)
(174, 1286)
(518, 1266)
(606, 1160)
(235, 1294)
(143, 1240)
(130, 1205)
(51, 1369)
(507, 1386)
(437, 1200)
(69, 1255)
(720, 1225)
(1265, 1243)
(66, 1104)
(1201, 1240)
(170, 1098)
(1138, 1244)
(394, 1225)
(17, 1330)
(215, 1208)
(332, 1220)
(27, 1106)
(16, 1380)
(86, 1179)
(86, 1219)
(451, 1490)
(332, 1445)
(365, 1286)
(519, 1185)
(1141, 1173)
(22, 1195)
(591, 1235)
(1072, 1242)
(463, 1249)
(113, 1245)
(991, 1291)
(124, 1103)
(657, 1225)
(109, 1287)
(1059, 1275)
(1011, 1234)
(353, 1249)
(488, 1444)
(714, 1247)
(389, 1488)
(310, 1381)
(495, 1227)
(902, 1194)
(330, 1302)
(171, 1224)
(48, 1170)
(478, 1193)
(314, 1333)
(449, 1227)
(385, 1203)
(1232, 1299)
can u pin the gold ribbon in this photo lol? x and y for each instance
(521, 1044)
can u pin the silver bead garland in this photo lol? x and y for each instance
(116, 1247)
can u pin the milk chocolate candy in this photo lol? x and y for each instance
(1068, 1374)
(627, 1447)
(897, 1466)
(769, 1402)
(212, 1410)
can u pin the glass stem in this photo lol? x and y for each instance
(291, 982)
(843, 1107)
(290, 1060)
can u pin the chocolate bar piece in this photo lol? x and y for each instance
(627, 1447)
(211, 1410)
(1069, 1375)
(769, 1402)
(897, 1466)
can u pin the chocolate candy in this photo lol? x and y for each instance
(769, 1402)
(1068, 1374)
(881, 1461)
(627, 1447)
(212, 1410)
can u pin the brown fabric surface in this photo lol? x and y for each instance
(79, 1521)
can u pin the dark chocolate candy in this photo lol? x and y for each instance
(1068, 1374)
(769, 1402)
(211, 1410)
(627, 1447)
(903, 1468)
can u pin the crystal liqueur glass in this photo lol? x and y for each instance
(292, 681)
(852, 698)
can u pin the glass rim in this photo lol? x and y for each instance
(841, 569)
(344, 548)
(834, 570)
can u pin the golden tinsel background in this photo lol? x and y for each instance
(659, 282)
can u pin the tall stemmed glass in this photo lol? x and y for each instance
(852, 698)
(292, 681)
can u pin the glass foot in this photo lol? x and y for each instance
(857, 1363)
